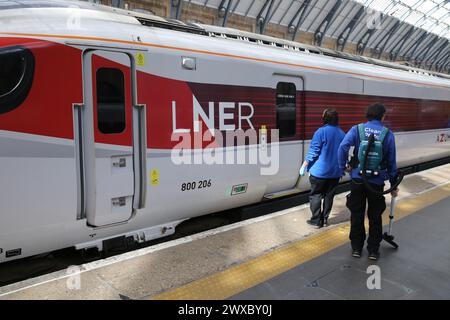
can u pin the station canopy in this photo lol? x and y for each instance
(412, 32)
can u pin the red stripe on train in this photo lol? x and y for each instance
(57, 85)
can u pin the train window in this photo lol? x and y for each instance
(286, 109)
(110, 100)
(16, 76)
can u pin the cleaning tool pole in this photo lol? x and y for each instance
(391, 215)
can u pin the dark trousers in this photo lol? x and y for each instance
(376, 204)
(321, 189)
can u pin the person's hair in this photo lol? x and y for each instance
(330, 116)
(375, 111)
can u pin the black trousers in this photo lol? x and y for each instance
(321, 189)
(376, 204)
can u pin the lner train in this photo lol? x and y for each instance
(113, 123)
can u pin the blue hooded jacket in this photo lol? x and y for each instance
(322, 154)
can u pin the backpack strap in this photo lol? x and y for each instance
(362, 134)
(383, 134)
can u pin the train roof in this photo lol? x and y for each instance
(150, 20)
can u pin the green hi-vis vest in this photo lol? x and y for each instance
(375, 157)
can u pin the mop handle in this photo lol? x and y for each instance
(391, 214)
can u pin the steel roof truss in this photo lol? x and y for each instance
(325, 24)
(302, 12)
(262, 19)
(343, 37)
(394, 52)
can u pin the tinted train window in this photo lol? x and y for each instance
(286, 109)
(110, 100)
(16, 76)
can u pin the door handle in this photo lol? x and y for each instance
(141, 157)
(79, 158)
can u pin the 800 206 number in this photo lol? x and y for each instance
(187, 186)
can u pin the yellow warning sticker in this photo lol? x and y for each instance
(154, 177)
(140, 59)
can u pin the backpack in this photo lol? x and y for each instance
(375, 158)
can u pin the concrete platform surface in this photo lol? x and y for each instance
(419, 269)
(166, 270)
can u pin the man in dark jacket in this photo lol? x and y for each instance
(356, 201)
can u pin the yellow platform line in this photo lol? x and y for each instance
(236, 279)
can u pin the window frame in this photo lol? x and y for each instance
(277, 109)
(123, 97)
(18, 94)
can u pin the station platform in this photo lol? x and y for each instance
(277, 256)
(419, 269)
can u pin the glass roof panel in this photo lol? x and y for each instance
(431, 15)
(410, 2)
(440, 13)
(426, 6)
(440, 28)
(414, 17)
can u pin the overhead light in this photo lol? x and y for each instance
(222, 12)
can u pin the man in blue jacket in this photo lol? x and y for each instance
(356, 200)
(322, 164)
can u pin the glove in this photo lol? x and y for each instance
(302, 170)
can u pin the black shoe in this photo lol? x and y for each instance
(325, 223)
(374, 255)
(356, 253)
(314, 224)
(320, 225)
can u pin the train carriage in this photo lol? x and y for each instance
(116, 124)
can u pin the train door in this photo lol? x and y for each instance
(289, 117)
(113, 139)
